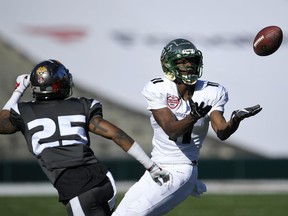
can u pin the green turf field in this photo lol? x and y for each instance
(208, 205)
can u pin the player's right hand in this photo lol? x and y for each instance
(198, 111)
(159, 175)
(22, 82)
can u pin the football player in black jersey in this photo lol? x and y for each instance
(56, 128)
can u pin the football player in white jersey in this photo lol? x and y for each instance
(182, 108)
(56, 128)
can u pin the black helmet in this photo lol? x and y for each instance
(179, 49)
(51, 80)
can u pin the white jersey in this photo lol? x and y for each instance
(162, 92)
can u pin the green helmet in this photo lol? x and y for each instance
(179, 49)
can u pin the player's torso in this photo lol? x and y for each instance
(54, 123)
(57, 132)
(189, 144)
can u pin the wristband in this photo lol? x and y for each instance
(137, 152)
(152, 167)
(13, 100)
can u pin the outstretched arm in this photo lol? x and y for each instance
(225, 129)
(106, 129)
(222, 128)
(6, 127)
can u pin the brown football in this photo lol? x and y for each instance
(267, 40)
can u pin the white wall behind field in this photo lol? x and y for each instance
(113, 48)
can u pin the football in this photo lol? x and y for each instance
(267, 40)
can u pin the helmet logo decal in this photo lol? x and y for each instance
(172, 101)
(41, 71)
(188, 51)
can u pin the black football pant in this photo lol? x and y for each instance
(93, 202)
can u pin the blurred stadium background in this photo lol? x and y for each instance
(219, 160)
(226, 167)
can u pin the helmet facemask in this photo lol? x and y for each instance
(189, 74)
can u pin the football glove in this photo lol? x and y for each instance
(198, 112)
(22, 82)
(159, 175)
(241, 114)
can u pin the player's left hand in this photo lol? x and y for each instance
(241, 114)
(159, 175)
(22, 82)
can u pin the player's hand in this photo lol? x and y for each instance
(22, 82)
(239, 115)
(159, 175)
(200, 111)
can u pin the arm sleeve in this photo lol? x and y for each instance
(153, 96)
(96, 109)
(220, 100)
(92, 108)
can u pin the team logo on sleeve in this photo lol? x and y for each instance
(172, 101)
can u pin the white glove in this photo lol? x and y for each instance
(22, 82)
(159, 175)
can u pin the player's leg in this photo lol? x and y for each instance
(99, 201)
(153, 199)
(133, 193)
(184, 180)
(175, 198)
(74, 207)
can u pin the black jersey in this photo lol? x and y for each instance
(56, 132)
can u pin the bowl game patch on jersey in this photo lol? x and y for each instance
(172, 101)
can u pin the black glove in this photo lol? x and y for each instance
(198, 112)
(241, 114)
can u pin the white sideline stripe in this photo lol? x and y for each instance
(247, 186)
(213, 187)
